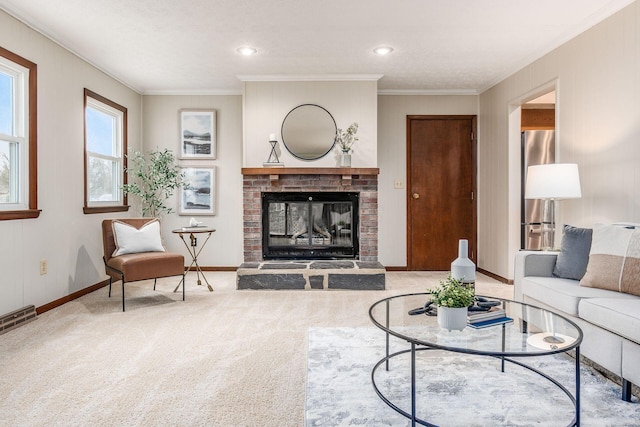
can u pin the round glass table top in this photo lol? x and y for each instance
(533, 331)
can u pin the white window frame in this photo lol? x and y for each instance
(119, 114)
(19, 137)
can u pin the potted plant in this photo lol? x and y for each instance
(344, 141)
(452, 297)
(155, 179)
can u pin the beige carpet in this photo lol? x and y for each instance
(227, 358)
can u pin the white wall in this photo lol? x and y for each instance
(598, 78)
(266, 104)
(161, 130)
(68, 239)
(392, 151)
(225, 248)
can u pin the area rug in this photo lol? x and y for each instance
(452, 389)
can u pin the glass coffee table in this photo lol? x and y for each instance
(533, 332)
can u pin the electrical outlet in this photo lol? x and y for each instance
(43, 266)
(398, 184)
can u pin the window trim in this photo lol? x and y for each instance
(106, 208)
(32, 211)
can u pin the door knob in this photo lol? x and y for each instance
(416, 196)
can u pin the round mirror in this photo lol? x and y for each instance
(309, 132)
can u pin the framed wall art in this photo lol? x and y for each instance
(197, 134)
(198, 195)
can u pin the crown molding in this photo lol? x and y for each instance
(309, 77)
(442, 92)
(391, 92)
(178, 92)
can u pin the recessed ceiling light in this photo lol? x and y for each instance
(383, 50)
(247, 50)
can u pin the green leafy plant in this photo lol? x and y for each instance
(155, 179)
(452, 293)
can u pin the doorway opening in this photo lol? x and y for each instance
(515, 163)
(538, 147)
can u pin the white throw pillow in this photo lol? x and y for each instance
(614, 259)
(131, 240)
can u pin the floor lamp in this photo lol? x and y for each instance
(551, 182)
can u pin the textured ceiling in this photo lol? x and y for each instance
(189, 46)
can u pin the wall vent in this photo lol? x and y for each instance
(17, 318)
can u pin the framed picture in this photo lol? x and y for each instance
(198, 195)
(197, 134)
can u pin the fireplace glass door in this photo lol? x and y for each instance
(310, 226)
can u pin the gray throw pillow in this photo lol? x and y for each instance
(574, 253)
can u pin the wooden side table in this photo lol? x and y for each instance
(192, 248)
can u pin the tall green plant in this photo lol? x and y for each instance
(155, 179)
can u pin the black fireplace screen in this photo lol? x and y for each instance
(309, 225)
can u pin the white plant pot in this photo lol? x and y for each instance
(452, 318)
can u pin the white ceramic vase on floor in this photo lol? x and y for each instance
(452, 318)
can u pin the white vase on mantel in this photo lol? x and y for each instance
(462, 268)
(345, 159)
(452, 318)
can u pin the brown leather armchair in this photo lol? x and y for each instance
(138, 266)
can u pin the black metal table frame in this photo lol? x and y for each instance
(417, 345)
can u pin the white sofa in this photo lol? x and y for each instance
(610, 320)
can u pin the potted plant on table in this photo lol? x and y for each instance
(452, 297)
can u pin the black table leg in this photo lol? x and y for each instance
(387, 363)
(578, 386)
(413, 384)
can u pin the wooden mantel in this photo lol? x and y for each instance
(346, 173)
(310, 171)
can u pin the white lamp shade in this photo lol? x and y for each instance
(553, 181)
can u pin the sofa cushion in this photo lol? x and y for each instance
(620, 316)
(563, 294)
(614, 259)
(131, 240)
(574, 253)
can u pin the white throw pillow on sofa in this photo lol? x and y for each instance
(131, 240)
(614, 259)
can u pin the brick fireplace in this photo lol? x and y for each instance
(308, 225)
(363, 181)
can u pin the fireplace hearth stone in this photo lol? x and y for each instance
(311, 275)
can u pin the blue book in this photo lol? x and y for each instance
(491, 322)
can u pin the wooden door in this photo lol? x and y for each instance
(441, 186)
